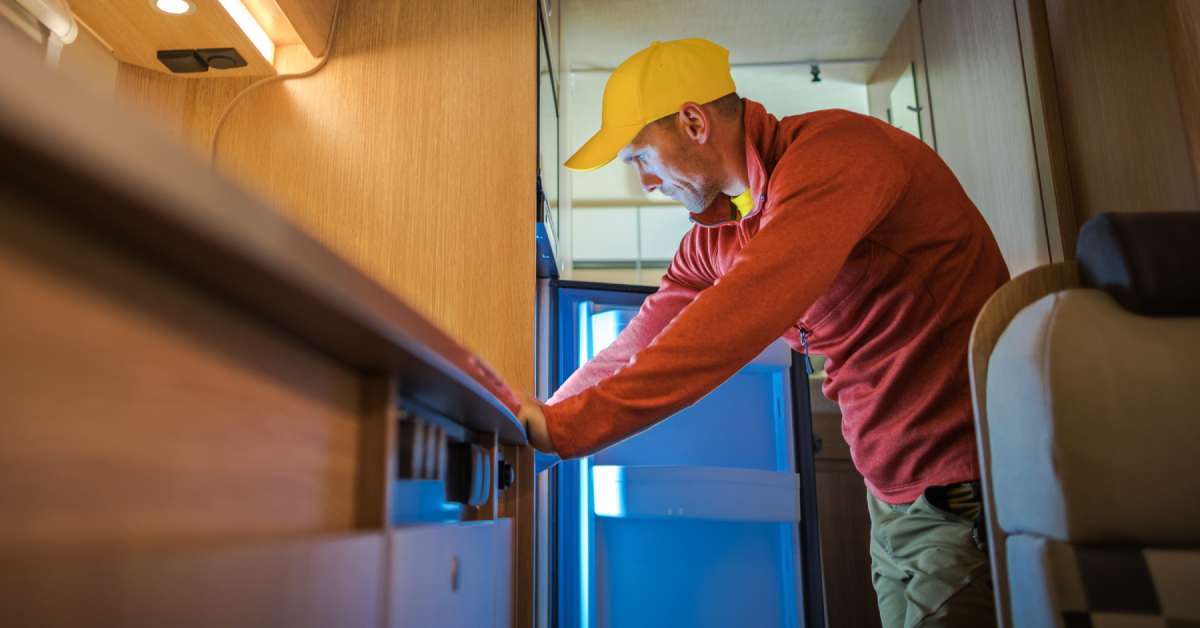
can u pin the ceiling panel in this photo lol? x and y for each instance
(602, 33)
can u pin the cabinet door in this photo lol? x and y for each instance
(981, 119)
(453, 575)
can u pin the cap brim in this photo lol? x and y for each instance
(603, 147)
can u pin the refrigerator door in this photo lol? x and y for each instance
(692, 522)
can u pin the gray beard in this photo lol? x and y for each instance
(704, 202)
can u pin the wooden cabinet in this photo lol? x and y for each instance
(201, 401)
(412, 154)
(844, 523)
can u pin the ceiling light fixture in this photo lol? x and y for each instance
(251, 28)
(174, 7)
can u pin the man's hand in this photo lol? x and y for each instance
(534, 421)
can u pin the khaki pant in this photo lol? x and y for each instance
(927, 568)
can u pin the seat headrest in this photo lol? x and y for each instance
(1148, 262)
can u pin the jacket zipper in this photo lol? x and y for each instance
(808, 365)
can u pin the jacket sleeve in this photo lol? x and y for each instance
(826, 193)
(679, 286)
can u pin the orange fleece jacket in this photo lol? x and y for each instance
(862, 238)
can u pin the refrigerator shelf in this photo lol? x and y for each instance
(693, 492)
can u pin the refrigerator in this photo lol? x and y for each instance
(707, 519)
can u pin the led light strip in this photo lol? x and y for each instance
(251, 28)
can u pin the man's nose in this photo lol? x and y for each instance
(649, 181)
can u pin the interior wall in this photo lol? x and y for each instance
(1183, 24)
(412, 153)
(187, 107)
(1126, 141)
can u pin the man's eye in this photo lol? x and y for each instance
(641, 158)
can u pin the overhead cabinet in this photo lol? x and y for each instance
(164, 34)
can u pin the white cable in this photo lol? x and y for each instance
(216, 133)
(55, 15)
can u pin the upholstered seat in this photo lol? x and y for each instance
(1088, 409)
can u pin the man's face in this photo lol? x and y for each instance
(668, 161)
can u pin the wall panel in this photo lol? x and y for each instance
(1183, 24)
(411, 153)
(1125, 137)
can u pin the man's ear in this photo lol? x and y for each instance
(694, 122)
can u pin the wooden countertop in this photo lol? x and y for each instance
(100, 165)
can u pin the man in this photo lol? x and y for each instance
(841, 234)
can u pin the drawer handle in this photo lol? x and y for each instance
(454, 573)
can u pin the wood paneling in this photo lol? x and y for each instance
(136, 31)
(328, 580)
(311, 20)
(139, 411)
(271, 17)
(1125, 137)
(1183, 33)
(412, 154)
(999, 310)
(1054, 177)
(981, 118)
(189, 109)
(142, 189)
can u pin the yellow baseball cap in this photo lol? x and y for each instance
(651, 84)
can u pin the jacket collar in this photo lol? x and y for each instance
(760, 134)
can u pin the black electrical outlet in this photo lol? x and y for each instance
(182, 61)
(222, 58)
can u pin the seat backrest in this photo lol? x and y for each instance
(993, 319)
(1095, 423)
(1086, 384)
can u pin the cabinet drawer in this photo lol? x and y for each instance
(452, 575)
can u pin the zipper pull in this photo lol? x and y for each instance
(808, 365)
